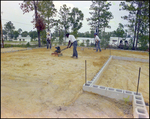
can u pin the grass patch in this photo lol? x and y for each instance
(15, 41)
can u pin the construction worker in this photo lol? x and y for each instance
(73, 41)
(97, 41)
(48, 39)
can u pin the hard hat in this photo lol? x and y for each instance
(95, 33)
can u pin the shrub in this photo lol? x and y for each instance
(82, 44)
(28, 44)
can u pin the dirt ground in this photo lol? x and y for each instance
(36, 84)
(11, 49)
(124, 75)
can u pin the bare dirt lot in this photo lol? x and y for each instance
(36, 84)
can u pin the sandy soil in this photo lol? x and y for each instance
(36, 84)
(124, 75)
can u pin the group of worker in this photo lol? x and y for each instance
(73, 41)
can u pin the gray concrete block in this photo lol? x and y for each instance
(87, 87)
(138, 101)
(119, 94)
(140, 112)
(101, 90)
(89, 82)
(127, 96)
(110, 92)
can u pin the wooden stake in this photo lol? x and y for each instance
(138, 80)
(85, 73)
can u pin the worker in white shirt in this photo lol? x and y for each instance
(48, 39)
(97, 41)
(73, 41)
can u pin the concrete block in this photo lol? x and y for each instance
(87, 87)
(110, 92)
(138, 101)
(139, 94)
(116, 57)
(89, 82)
(94, 89)
(140, 112)
(127, 96)
(102, 70)
(102, 90)
(119, 94)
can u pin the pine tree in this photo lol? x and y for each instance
(100, 16)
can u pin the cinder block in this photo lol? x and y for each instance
(139, 94)
(89, 82)
(110, 92)
(94, 89)
(119, 94)
(128, 96)
(87, 87)
(138, 101)
(93, 79)
(102, 90)
(102, 69)
(140, 112)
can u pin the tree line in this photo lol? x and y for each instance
(45, 19)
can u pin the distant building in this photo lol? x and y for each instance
(115, 41)
(79, 39)
(27, 39)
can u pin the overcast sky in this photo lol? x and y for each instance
(11, 12)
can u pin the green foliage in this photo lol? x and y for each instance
(4, 32)
(28, 44)
(21, 45)
(48, 11)
(64, 20)
(55, 43)
(33, 34)
(75, 33)
(120, 31)
(28, 6)
(92, 45)
(53, 39)
(16, 34)
(76, 16)
(9, 28)
(138, 18)
(24, 34)
(82, 44)
(87, 42)
(60, 39)
(103, 43)
(19, 30)
(7, 45)
(100, 15)
(65, 43)
(43, 36)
